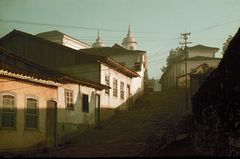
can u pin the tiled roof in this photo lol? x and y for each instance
(79, 55)
(20, 66)
(112, 51)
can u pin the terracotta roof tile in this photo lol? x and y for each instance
(19, 65)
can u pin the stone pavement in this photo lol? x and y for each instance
(157, 125)
(150, 126)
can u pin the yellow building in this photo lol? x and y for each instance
(36, 103)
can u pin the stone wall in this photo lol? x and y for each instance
(216, 106)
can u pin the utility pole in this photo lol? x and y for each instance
(185, 37)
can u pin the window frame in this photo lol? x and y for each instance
(65, 99)
(138, 66)
(29, 114)
(14, 110)
(122, 92)
(115, 91)
(107, 82)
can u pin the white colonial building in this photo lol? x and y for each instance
(63, 39)
(127, 55)
(78, 64)
(196, 56)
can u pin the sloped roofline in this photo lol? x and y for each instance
(117, 47)
(63, 79)
(115, 65)
(120, 68)
(63, 34)
(199, 46)
(201, 65)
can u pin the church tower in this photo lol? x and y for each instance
(98, 43)
(129, 42)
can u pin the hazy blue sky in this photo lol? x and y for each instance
(156, 24)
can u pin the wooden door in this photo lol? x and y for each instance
(51, 121)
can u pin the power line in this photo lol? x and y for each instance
(57, 25)
(69, 26)
(217, 25)
(155, 54)
(164, 58)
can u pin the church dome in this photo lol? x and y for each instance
(129, 39)
(98, 43)
(129, 42)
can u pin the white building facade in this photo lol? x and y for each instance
(63, 39)
(197, 55)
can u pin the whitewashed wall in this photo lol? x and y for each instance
(179, 69)
(206, 53)
(110, 101)
(74, 44)
(76, 116)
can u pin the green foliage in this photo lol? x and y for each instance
(174, 55)
(163, 69)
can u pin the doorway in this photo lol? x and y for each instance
(97, 112)
(51, 121)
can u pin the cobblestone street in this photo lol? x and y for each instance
(153, 123)
(155, 126)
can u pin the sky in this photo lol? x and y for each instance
(156, 24)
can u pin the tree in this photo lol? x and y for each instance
(174, 55)
(225, 45)
(163, 69)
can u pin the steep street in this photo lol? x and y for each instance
(155, 122)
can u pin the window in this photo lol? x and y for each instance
(85, 103)
(115, 87)
(122, 90)
(69, 99)
(107, 83)
(8, 112)
(31, 113)
(137, 66)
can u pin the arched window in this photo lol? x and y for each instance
(31, 113)
(8, 111)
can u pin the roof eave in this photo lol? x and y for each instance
(121, 69)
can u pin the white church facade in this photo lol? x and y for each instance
(125, 54)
